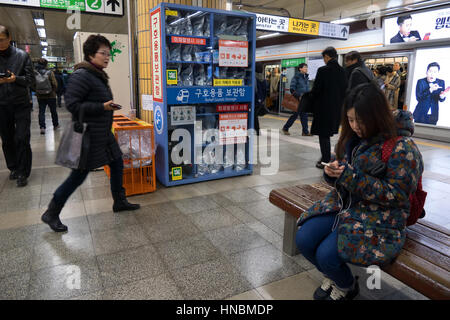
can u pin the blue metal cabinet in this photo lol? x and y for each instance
(203, 109)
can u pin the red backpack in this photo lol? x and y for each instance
(417, 198)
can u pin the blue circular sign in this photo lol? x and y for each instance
(159, 121)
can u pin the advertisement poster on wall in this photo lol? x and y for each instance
(430, 102)
(430, 25)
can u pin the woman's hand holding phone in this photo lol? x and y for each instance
(333, 169)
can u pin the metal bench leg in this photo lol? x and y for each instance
(290, 229)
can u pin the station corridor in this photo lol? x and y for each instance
(212, 240)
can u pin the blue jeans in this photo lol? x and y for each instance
(303, 119)
(318, 244)
(42, 106)
(77, 177)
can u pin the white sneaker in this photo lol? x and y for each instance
(324, 290)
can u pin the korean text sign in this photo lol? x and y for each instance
(233, 53)
(156, 55)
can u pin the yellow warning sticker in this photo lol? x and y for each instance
(228, 82)
(172, 13)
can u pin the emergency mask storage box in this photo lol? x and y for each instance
(203, 63)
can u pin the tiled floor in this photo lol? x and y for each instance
(212, 240)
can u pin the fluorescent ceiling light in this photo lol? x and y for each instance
(41, 32)
(269, 35)
(44, 43)
(39, 22)
(345, 20)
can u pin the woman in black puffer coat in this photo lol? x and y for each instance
(88, 91)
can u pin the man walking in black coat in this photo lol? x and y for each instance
(328, 94)
(16, 76)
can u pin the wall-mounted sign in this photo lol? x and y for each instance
(233, 53)
(300, 26)
(423, 26)
(55, 59)
(292, 63)
(114, 7)
(147, 102)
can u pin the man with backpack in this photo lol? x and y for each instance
(16, 76)
(356, 70)
(46, 87)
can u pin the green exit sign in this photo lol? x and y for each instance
(292, 63)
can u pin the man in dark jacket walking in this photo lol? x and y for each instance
(357, 71)
(61, 87)
(299, 85)
(328, 94)
(46, 94)
(15, 110)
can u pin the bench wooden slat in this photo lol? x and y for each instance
(428, 242)
(434, 226)
(428, 254)
(431, 233)
(421, 275)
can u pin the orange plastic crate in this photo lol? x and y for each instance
(139, 168)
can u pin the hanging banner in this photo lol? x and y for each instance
(113, 7)
(233, 53)
(301, 26)
(272, 23)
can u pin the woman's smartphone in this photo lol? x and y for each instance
(116, 106)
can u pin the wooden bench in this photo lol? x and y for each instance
(423, 264)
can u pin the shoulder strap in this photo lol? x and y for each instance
(388, 147)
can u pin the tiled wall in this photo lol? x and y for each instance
(144, 49)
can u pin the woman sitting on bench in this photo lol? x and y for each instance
(362, 221)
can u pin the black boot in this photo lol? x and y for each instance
(121, 203)
(51, 217)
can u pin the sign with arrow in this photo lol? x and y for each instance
(114, 7)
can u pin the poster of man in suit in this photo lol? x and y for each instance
(405, 34)
(429, 102)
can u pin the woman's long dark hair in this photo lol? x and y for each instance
(372, 110)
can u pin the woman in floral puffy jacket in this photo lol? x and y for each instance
(362, 221)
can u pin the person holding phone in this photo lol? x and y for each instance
(16, 78)
(88, 90)
(429, 92)
(363, 220)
